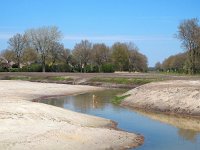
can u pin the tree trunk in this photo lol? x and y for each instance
(43, 67)
(18, 62)
(99, 68)
(43, 64)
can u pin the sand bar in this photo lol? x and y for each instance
(29, 125)
(178, 97)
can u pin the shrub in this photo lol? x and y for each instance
(60, 68)
(32, 68)
(14, 69)
(2, 69)
(118, 99)
(15, 66)
(35, 68)
(88, 69)
(108, 68)
(95, 69)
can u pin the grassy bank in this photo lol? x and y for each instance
(116, 80)
(40, 78)
(118, 99)
(126, 81)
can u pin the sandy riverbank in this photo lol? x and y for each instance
(180, 97)
(28, 125)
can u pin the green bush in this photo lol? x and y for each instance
(76, 68)
(91, 69)
(14, 70)
(32, 68)
(95, 69)
(108, 68)
(60, 68)
(118, 99)
(15, 66)
(35, 68)
(2, 69)
(88, 69)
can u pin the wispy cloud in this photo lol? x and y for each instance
(106, 38)
(6, 36)
(8, 31)
(118, 38)
(8, 27)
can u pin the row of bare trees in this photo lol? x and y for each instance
(42, 46)
(174, 63)
(122, 56)
(189, 61)
(34, 44)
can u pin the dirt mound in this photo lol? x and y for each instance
(173, 97)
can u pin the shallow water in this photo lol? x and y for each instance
(161, 132)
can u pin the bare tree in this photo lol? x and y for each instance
(17, 44)
(56, 52)
(82, 53)
(100, 54)
(175, 63)
(42, 40)
(137, 61)
(189, 34)
(29, 56)
(158, 66)
(8, 55)
(66, 56)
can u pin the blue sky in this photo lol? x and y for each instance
(150, 24)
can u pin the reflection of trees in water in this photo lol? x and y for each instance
(189, 135)
(55, 102)
(82, 102)
(86, 102)
(189, 128)
(95, 100)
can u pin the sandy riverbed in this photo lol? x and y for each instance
(172, 97)
(28, 125)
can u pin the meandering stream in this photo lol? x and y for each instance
(161, 132)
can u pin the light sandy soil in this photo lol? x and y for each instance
(28, 125)
(173, 97)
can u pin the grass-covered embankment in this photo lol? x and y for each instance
(127, 82)
(118, 99)
(64, 79)
(113, 80)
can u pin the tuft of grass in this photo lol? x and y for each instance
(127, 81)
(118, 99)
(46, 78)
(24, 78)
(60, 78)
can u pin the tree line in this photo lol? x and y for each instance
(40, 49)
(188, 61)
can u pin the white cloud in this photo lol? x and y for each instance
(118, 38)
(8, 27)
(5, 36)
(123, 38)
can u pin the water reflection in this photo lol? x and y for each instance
(188, 127)
(190, 135)
(160, 131)
(187, 123)
(85, 102)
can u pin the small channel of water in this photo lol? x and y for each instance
(161, 132)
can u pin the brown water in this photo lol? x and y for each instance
(161, 132)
